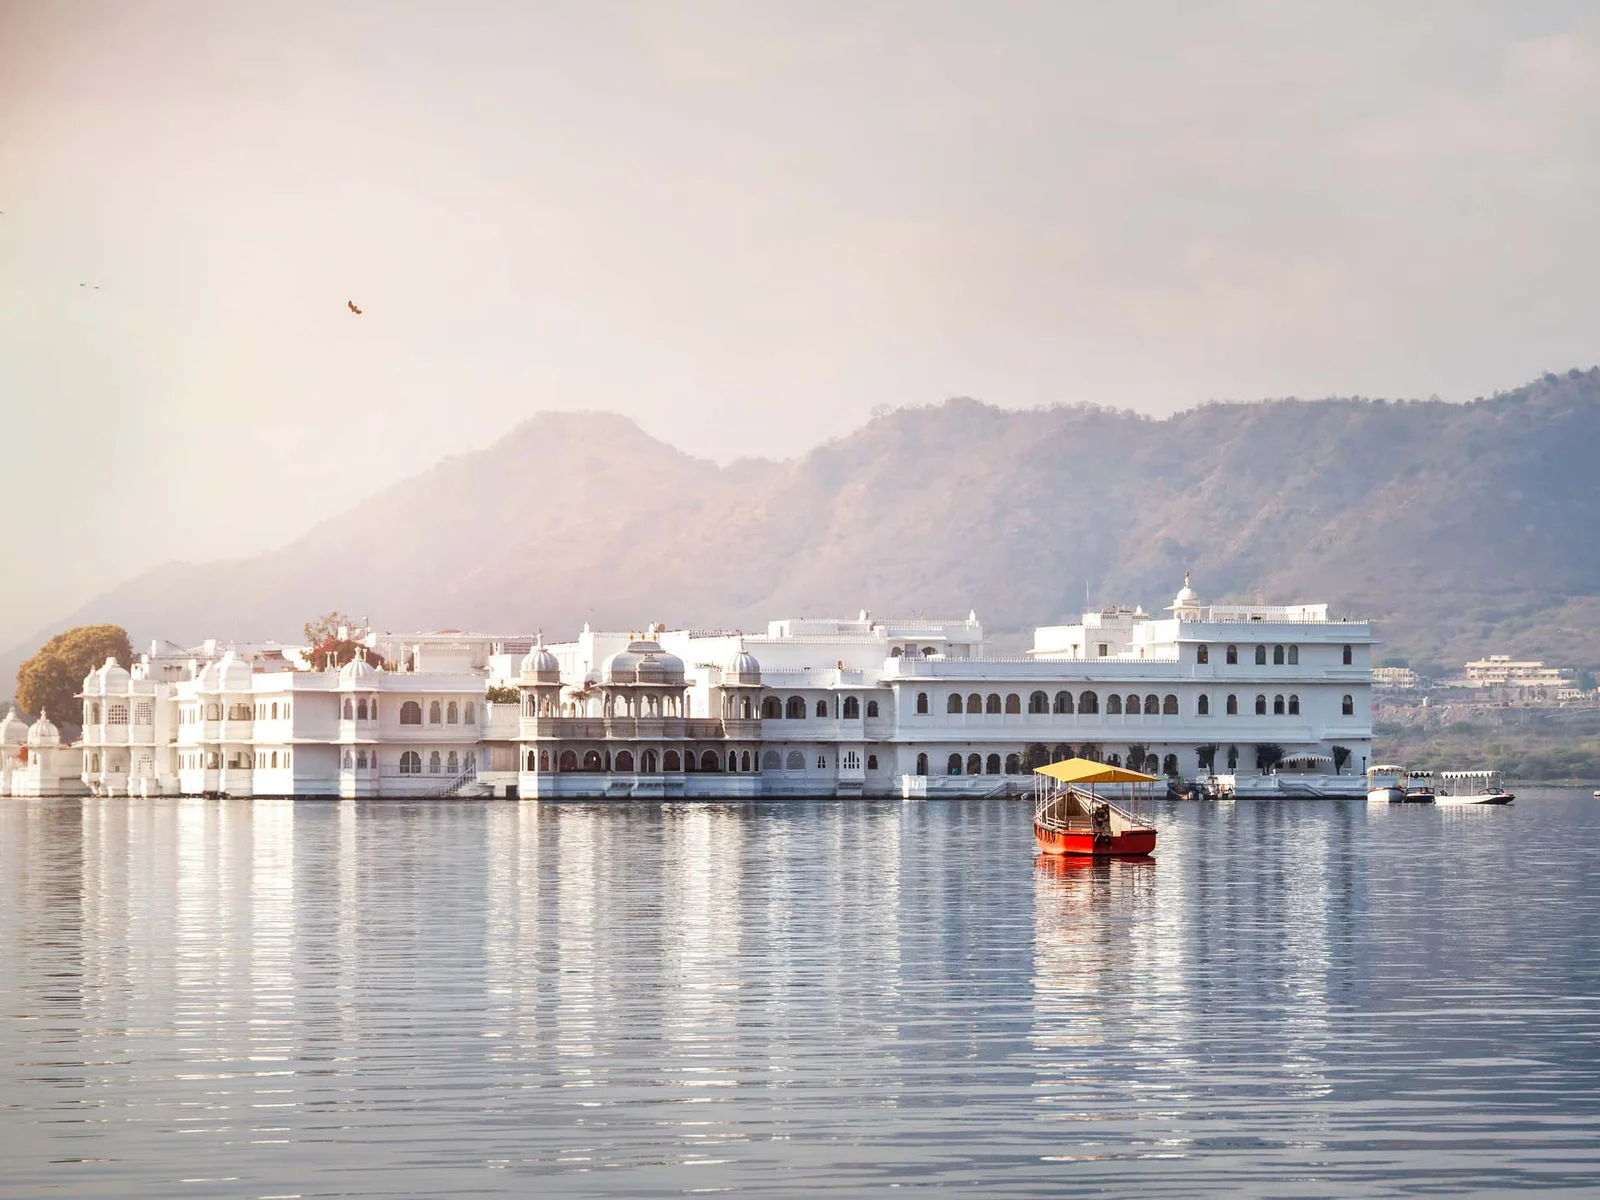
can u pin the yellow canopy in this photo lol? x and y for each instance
(1084, 770)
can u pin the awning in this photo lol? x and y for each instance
(1084, 770)
(1304, 760)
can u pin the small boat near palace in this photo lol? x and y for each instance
(1472, 787)
(1419, 788)
(1071, 818)
(1386, 782)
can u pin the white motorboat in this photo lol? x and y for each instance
(1387, 783)
(1472, 787)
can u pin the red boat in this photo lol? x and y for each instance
(1069, 817)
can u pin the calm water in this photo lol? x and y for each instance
(235, 999)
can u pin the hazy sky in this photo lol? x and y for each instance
(743, 223)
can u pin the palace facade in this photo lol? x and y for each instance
(811, 707)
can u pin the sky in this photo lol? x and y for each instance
(743, 223)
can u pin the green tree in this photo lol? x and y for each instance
(1207, 756)
(1584, 680)
(1268, 756)
(51, 679)
(1341, 756)
(1137, 753)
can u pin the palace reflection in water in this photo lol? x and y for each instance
(387, 998)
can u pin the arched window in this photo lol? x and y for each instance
(1232, 707)
(1232, 656)
(922, 764)
(1013, 703)
(896, 652)
(361, 709)
(708, 761)
(1261, 706)
(94, 714)
(453, 763)
(928, 652)
(1261, 656)
(452, 714)
(744, 760)
(1151, 705)
(953, 766)
(1038, 702)
(411, 713)
(434, 713)
(1277, 656)
(1294, 706)
(1277, 706)
(411, 763)
(349, 759)
(975, 703)
(872, 709)
(1132, 707)
(349, 709)
(974, 764)
(361, 758)
(852, 708)
(733, 761)
(922, 702)
(954, 703)
(1202, 654)
(1113, 705)
(272, 758)
(625, 761)
(1347, 656)
(1294, 656)
(771, 760)
(434, 763)
(795, 710)
(1088, 702)
(992, 704)
(569, 760)
(1202, 706)
(1348, 706)
(1064, 702)
(1169, 706)
(544, 760)
(469, 715)
(1169, 765)
(1114, 760)
(591, 760)
(1233, 757)
(211, 712)
(991, 765)
(771, 709)
(744, 708)
(795, 761)
(672, 762)
(822, 708)
(1013, 764)
(872, 762)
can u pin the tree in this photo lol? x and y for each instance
(336, 651)
(503, 695)
(51, 679)
(1584, 680)
(1137, 753)
(1341, 756)
(1268, 756)
(321, 629)
(1207, 756)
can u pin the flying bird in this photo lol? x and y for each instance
(353, 307)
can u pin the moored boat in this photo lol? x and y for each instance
(1472, 787)
(1419, 788)
(1386, 783)
(1071, 818)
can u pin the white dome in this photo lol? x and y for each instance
(742, 668)
(233, 673)
(44, 733)
(13, 730)
(642, 662)
(1187, 597)
(358, 672)
(209, 677)
(540, 666)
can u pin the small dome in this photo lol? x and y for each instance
(540, 666)
(742, 668)
(1187, 597)
(358, 672)
(642, 662)
(13, 730)
(233, 673)
(621, 667)
(209, 678)
(44, 732)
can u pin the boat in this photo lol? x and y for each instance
(1419, 788)
(1472, 787)
(1071, 817)
(1386, 782)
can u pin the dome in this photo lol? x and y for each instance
(44, 733)
(540, 666)
(233, 673)
(209, 678)
(13, 730)
(1187, 597)
(643, 662)
(621, 667)
(356, 673)
(742, 668)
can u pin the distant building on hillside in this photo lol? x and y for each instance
(1501, 670)
(1394, 679)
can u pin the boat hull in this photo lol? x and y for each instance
(1394, 795)
(1482, 798)
(1129, 843)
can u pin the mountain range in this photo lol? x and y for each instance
(1462, 529)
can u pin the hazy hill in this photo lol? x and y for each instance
(1462, 528)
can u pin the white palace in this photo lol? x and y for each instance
(1270, 698)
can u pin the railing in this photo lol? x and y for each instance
(455, 784)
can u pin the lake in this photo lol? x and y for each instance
(218, 998)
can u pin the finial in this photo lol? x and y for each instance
(1186, 577)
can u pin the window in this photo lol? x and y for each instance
(116, 714)
(992, 765)
(795, 710)
(852, 708)
(975, 703)
(1038, 702)
(1013, 703)
(992, 704)
(1294, 656)
(452, 714)
(795, 761)
(434, 765)
(1277, 656)
(411, 713)
(1232, 707)
(953, 767)
(708, 761)
(974, 764)
(349, 761)
(744, 760)
(568, 761)
(452, 763)
(1013, 764)
(349, 709)
(922, 764)
(822, 762)
(954, 704)
(1151, 705)
(1233, 757)
(1088, 702)
(1261, 706)
(361, 709)
(771, 709)
(1064, 702)
(896, 652)
(434, 713)
(1114, 760)
(872, 762)
(361, 758)
(1131, 706)
(1347, 656)
(1169, 706)
(822, 708)
(591, 760)
(1232, 655)
(1261, 656)
(272, 759)
(469, 715)
(625, 761)
(94, 714)
(273, 709)
(411, 763)
(852, 761)
(672, 763)
(1113, 705)
(1294, 706)
(1348, 707)
(1202, 706)
(771, 760)
(1202, 654)
(1169, 765)
(922, 702)
(1277, 706)
(872, 709)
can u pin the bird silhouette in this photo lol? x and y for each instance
(353, 307)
